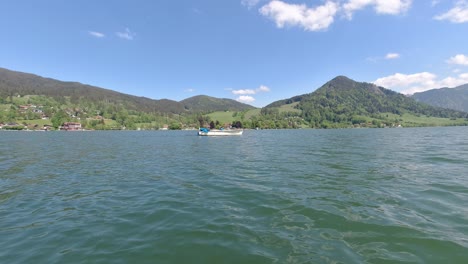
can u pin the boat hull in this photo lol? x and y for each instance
(221, 133)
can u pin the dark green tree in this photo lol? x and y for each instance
(175, 126)
(237, 124)
(59, 118)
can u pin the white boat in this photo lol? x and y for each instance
(219, 132)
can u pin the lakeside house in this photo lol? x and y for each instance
(71, 126)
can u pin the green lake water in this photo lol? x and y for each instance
(271, 196)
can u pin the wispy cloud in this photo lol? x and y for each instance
(392, 56)
(419, 82)
(389, 7)
(310, 19)
(250, 3)
(388, 56)
(244, 91)
(458, 59)
(127, 34)
(458, 14)
(96, 34)
(190, 90)
(196, 11)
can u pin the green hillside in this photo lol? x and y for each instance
(203, 103)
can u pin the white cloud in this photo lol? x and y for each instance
(389, 7)
(322, 16)
(463, 76)
(458, 59)
(454, 81)
(458, 14)
(96, 34)
(260, 89)
(244, 91)
(311, 19)
(391, 56)
(245, 94)
(245, 99)
(404, 80)
(190, 90)
(435, 2)
(263, 88)
(128, 35)
(419, 82)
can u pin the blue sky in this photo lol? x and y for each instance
(254, 51)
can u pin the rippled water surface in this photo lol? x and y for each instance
(282, 196)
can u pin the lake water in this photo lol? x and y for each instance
(272, 196)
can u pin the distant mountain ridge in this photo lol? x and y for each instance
(451, 98)
(18, 83)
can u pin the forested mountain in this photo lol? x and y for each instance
(14, 83)
(344, 101)
(452, 98)
(203, 103)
